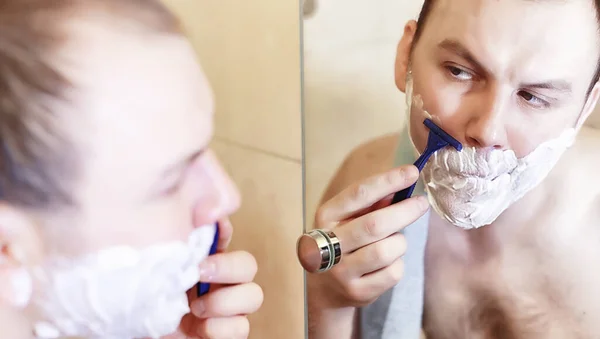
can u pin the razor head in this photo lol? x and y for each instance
(442, 134)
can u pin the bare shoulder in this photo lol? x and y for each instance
(581, 164)
(370, 158)
(586, 151)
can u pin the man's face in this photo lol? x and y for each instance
(503, 74)
(144, 125)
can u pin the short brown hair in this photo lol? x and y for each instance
(426, 10)
(38, 162)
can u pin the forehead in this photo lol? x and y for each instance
(548, 36)
(143, 99)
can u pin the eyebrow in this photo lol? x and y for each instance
(555, 85)
(181, 165)
(174, 170)
(457, 48)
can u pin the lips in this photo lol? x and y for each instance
(441, 172)
(479, 176)
(485, 164)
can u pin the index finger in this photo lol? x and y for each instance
(380, 224)
(366, 193)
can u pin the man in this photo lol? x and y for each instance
(108, 191)
(515, 215)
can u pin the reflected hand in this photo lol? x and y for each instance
(222, 312)
(367, 228)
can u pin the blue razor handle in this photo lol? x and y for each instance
(437, 140)
(204, 287)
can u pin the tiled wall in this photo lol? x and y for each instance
(251, 53)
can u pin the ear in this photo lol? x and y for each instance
(20, 248)
(403, 52)
(589, 106)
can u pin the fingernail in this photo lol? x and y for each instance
(198, 307)
(207, 270)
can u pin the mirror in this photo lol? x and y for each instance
(251, 54)
(511, 99)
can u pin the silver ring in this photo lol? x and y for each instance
(319, 250)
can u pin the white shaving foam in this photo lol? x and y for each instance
(472, 188)
(120, 292)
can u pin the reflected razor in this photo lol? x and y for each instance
(204, 287)
(437, 140)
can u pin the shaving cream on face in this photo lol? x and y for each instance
(119, 292)
(473, 187)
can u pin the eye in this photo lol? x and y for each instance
(533, 100)
(459, 73)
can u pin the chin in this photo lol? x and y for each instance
(463, 213)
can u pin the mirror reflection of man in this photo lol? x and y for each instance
(108, 191)
(505, 251)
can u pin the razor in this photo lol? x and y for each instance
(204, 287)
(437, 140)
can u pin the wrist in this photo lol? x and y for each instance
(326, 317)
(331, 323)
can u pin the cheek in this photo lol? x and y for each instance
(528, 137)
(442, 103)
(521, 143)
(418, 132)
(452, 109)
(132, 225)
(210, 191)
(527, 131)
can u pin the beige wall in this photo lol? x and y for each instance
(251, 53)
(350, 96)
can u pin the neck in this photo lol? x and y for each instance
(522, 211)
(517, 223)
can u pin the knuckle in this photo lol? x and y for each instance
(340, 273)
(354, 292)
(396, 272)
(345, 272)
(360, 192)
(359, 295)
(380, 253)
(214, 304)
(400, 244)
(395, 177)
(371, 226)
(320, 217)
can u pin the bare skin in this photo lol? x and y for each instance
(164, 181)
(496, 76)
(370, 160)
(529, 273)
(523, 277)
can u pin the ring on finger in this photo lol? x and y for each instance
(319, 250)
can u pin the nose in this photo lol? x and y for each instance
(485, 126)
(221, 196)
